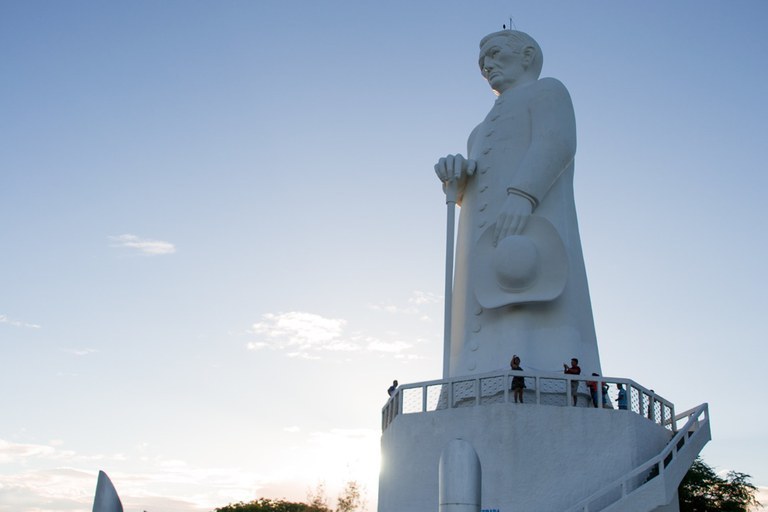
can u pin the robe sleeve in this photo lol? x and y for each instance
(553, 139)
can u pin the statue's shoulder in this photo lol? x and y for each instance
(549, 85)
(551, 93)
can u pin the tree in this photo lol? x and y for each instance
(267, 505)
(350, 500)
(702, 490)
(318, 498)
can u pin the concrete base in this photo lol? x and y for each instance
(532, 457)
(674, 506)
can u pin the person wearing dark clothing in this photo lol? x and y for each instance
(622, 397)
(573, 370)
(392, 388)
(518, 383)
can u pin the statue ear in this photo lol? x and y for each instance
(529, 53)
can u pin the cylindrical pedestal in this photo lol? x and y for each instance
(459, 477)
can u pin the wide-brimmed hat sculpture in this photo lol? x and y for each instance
(529, 267)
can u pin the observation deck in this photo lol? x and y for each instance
(609, 459)
(551, 389)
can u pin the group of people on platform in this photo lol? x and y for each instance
(518, 384)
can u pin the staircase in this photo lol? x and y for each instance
(654, 483)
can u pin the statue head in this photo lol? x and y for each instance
(509, 58)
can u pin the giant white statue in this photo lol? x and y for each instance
(520, 286)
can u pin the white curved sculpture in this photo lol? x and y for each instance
(515, 290)
(106, 499)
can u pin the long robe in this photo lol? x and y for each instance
(527, 141)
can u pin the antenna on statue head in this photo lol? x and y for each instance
(511, 24)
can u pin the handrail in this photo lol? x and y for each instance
(656, 466)
(494, 387)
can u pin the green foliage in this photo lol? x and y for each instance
(267, 505)
(702, 490)
(318, 498)
(350, 500)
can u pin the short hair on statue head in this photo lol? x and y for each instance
(517, 40)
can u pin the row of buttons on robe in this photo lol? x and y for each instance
(473, 345)
(476, 326)
(492, 117)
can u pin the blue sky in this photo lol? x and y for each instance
(223, 237)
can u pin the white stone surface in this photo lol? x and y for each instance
(533, 458)
(459, 477)
(520, 162)
(514, 293)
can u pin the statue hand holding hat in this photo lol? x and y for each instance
(531, 266)
(513, 216)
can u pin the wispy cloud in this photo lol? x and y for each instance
(392, 347)
(413, 306)
(79, 351)
(16, 323)
(336, 436)
(308, 335)
(39, 477)
(15, 452)
(300, 334)
(143, 245)
(47, 489)
(419, 298)
(53, 479)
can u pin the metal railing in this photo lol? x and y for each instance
(540, 389)
(679, 453)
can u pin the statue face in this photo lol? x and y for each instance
(503, 66)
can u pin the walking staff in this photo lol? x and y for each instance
(451, 187)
